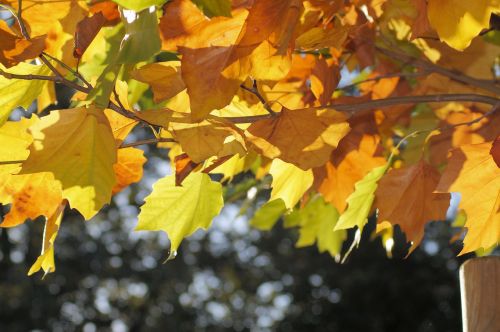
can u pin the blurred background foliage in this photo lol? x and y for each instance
(231, 278)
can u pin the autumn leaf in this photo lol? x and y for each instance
(458, 21)
(304, 137)
(18, 92)
(139, 5)
(359, 203)
(86, 31)
(406, 197)
(128, 168)
(14, 49)
(495, 151)
(180, 211)
(289, 182)
(357, 154)
(164, 78)
(324, 79)
(31, 196)
(46, 259)
(268, 214)
(473, 173)
(78, 147)
(316, 223)
(15, 148)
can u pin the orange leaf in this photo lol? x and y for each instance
(303, 137)
(183, 167)
(128, 168)
(164, 78)
(31, 196)
(473, 173)
(324, 79)
(356, 155)
(406, 197)
(14, 49)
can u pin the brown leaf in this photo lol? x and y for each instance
(14, 49)
(86, 30)
(473, 173)
(324, 79)
(304, 137)
(495, 151)
(183, 167)
(109, 10)
(406, 197)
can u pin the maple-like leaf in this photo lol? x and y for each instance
(405, 197)
(18, 92)
(289, 182)
(31, 196)
(206, 139)
(15, 148)
(15, 49)
(86, 30)
(138, 5)
(359, 203)
(268, 214)
(324, 79)
(495, 151)
(473, 173)
(164, 78)
(128, 168)
(457, 22)
(78, 147)
(180, 211)
(304, 137)
(316, 222)
(46, 259)
(357, 154)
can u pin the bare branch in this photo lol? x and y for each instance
(148, 141)
(254, 90)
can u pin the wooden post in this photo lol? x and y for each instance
(480, 293)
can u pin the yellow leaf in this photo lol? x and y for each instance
(78, 147)
(457, 22)
(15, 92)
(289, 182)
(164, 78)
(46, 259)
(181, 210)
(473, 173)
(15, 144)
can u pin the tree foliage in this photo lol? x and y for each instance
(351, 107)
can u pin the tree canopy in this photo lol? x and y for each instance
(337, 111)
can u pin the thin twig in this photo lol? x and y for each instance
(255, 91)
(74, 72)
(378, 78)
(386, 102)
(20, 20)
(430, 67)
(148, 141)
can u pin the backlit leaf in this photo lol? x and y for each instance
(180, 211)
(289, 182)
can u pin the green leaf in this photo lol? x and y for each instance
(138, 5)
(317, 221)
(268, 214)
(15, 93)
(213, 8)
(359, 203)
(180, 211)
(141, 40)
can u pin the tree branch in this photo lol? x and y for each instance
(255, 91)
(430, 67)
(148, 141)
(386, 102)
